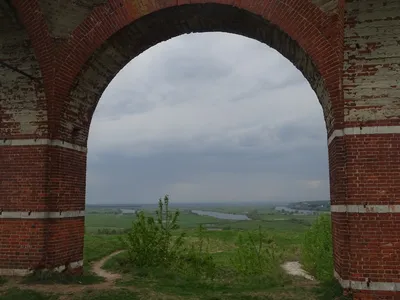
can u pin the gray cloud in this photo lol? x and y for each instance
(208, 117)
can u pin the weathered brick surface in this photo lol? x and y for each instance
(341, 250)
(33, 244)
(67, 183)
(329, 6)
(116, 52)
(22, 100)
(371, 242)
(375, 295)
(42, 178)
(309, 27)
(23, 184)
(347, 50)
(35, 179)
(365, 169)
(63, 16)
(376, 237)
(371, 63)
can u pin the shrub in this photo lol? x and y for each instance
(196, 260)
(149, 242)
(152, 247)
(256, 257)
(317, 249)
(2, 280)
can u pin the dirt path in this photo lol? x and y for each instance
(294, 268)
(97, 268)
(69, 289)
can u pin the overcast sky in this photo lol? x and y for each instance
(208, 117)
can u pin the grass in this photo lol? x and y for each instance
(330, 289)
(287, 232)
(317, 249)
(62, 278)
(124, 294)
(96, 247)
(223, 287)
(99, 246)
(227, 283)
(19, 294)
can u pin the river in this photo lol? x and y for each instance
(222, 216)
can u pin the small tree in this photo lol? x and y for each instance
(149, 242)
(196, 261)
(257, 257)
(317, 249)
(168, 222)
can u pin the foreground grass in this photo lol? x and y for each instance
(86, 278)
(99, 246)
(123, 294)
(160, 283)
(18, 294)
(2, 281)
(96, 247)
(225, 285)
(171, 285)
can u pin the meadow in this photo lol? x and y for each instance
(197, 257)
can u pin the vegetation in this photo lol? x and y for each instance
(150, 242)
(18, 294)
(311, 205)
(317, 250)
(47, 277)
(257, 258)
(180, 255)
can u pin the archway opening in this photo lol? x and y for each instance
(209, 94)
(311, 54)
(226, 126)
(159, 26)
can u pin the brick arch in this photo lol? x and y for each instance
(88, 69)
(349, 49)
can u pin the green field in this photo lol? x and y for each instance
(106, 226)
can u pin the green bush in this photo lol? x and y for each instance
(257, 257)
(196, 260)
(152, 245)
(149, 242)
(317, 249)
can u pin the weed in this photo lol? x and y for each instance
(196, 260)
(18, 294)
(150, 242)
(48, 277)
(256, 257)
(317, 249)
(108, 295)
(2, 280)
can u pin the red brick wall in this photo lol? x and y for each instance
(311, 28)
(23, 184)
(365, 169)
(348, 50)
(41, 179)
(36, 244)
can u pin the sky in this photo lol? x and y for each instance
(208, 117)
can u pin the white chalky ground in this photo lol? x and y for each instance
(294, 268)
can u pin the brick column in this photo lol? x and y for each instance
(365, 186)
(366, 151)
(42, 192)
